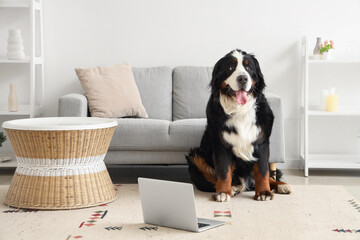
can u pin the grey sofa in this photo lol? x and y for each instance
(175, 100)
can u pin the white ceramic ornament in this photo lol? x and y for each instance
(15, 46)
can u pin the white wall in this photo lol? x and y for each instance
(83, 33)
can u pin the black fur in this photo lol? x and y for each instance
(213, 148)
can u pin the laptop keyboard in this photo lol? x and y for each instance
(201, 225)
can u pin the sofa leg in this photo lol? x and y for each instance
(273, 171)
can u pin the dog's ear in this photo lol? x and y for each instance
(259, 74)
(217, 72)
(222, 69)
(257, 68)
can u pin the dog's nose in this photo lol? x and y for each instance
(242, 79)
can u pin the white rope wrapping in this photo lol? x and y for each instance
(60, 167)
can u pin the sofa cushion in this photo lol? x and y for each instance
(111, 91)
(155, 87)
(190, 91)
(186, 134)
(140, 134)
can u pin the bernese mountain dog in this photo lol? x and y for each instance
(234, 151)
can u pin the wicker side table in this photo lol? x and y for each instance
(60, 162)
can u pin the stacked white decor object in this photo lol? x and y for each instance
(15, 46)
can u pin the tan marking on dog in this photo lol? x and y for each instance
(207, 171)
(224, 185)
(262, 185)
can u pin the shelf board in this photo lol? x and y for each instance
(339, 113)
(337, 60)
(5, 60)
(331, 161)
(9, 164)
(343, 111)
(23, 110)
(38, 60)
(14, 3)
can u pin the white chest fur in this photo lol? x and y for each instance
(243, 119)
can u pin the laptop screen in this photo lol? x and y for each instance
(168, 203)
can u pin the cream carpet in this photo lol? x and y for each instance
(312, 212)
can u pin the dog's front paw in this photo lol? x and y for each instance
(221, 197)
(284, 188)
(235, 190)
(264, 195)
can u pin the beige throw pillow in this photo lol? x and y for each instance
(111, 91)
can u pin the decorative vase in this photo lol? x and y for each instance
(332, 101)
(317, 46)
(326, 56)
(323, 97)
(13, 103)
(15, 46)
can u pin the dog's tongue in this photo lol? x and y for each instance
(241, 97)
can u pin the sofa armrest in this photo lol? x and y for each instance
(277, 138)
(73, 105)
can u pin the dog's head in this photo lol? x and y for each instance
(237, 75)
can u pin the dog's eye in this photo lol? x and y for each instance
(247, 68)
(231, 68)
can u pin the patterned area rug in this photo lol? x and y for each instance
(312, 212)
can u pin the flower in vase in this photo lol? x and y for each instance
(326, 46)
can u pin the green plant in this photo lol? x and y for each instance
(326, 46)
(2, 138)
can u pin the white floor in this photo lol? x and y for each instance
(349, 179)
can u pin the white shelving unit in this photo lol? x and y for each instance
(325, 160)
(35, 104)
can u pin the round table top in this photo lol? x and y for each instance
(60, 123)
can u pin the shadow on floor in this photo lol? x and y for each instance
(130, 173)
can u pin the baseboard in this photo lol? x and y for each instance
(289, 164)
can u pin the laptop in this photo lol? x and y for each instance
(171, 204)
